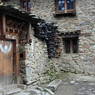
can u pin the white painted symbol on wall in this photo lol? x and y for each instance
(5, 48)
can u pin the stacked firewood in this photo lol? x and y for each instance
(48, 32)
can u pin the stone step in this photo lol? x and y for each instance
(39, 91)
(54, 84)
(12, 91)
(21, 86)
(48, 91)
(23, 93)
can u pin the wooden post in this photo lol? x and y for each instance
(65, 6)
(4, 24)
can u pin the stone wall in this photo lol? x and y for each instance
(37, 61)
(82, 62)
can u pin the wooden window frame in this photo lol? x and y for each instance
(72, 36)
(66, 11)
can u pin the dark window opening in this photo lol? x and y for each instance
(71, 45)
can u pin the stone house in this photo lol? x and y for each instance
(55, 31)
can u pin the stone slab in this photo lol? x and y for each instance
(54, 84)
(13, 91)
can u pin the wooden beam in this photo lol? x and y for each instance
(4, 24)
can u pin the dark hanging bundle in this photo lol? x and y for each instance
(48, 32)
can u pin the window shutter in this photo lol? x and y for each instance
(75, 45)
(67, 45)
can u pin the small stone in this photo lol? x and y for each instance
(93, 91)
(72, 82)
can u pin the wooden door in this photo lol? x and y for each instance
(6, 62)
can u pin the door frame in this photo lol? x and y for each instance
(14, 56)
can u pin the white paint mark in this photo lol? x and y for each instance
(5, 48)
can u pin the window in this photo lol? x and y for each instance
(71, 45)
(64, 6)
(26, 4)
(71, 41)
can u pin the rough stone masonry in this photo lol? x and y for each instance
(81, 62)
(37, 61)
